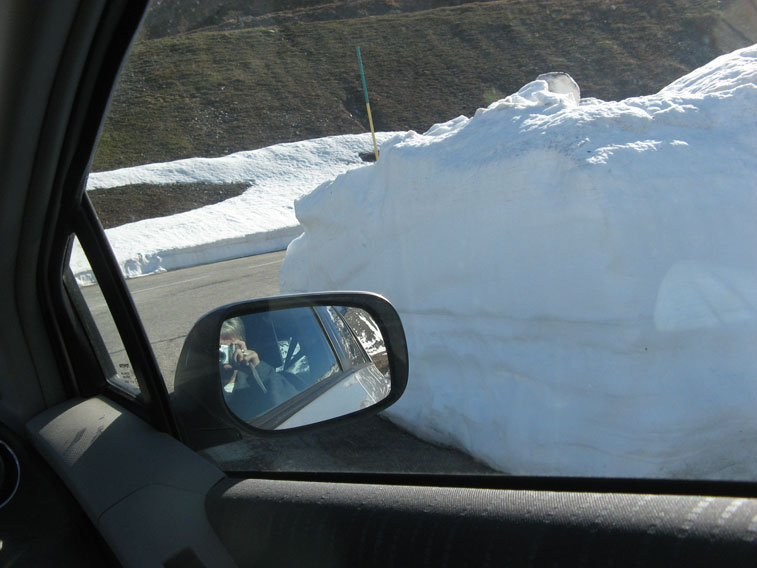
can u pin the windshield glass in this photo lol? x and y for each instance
(557, 197)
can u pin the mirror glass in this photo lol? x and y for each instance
(292, 367)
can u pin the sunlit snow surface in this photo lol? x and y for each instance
(578, 282)
(260, 220)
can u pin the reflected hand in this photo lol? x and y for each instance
(243, 356)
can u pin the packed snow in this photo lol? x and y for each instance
(260, 220)
(577, 278)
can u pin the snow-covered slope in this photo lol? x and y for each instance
(578, 282)
(260, 220)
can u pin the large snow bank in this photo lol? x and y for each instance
(260, 220)
(578, 282)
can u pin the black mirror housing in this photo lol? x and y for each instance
(200, 403)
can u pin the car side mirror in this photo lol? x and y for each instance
(282, 364)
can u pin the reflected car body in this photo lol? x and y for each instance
(359, 388)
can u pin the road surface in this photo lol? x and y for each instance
(171, 302)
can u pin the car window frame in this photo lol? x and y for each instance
(73, 213)
(152, 387)
(593, 518)
(334, 335)
(70, 213)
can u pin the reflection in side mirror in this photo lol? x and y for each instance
(271, 366)
(292, 367)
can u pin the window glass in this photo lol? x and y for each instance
(108, 345)
(557, 198)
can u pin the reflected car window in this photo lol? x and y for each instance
(302, 347)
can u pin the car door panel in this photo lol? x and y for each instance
(139, 485)
(348, 524)
(142, 489)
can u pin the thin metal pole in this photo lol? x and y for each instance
(367, 102)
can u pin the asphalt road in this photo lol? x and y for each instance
(171, 302)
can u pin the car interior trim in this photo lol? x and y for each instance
(117, 467)
(497, 480)
(445, 526)
(130, 328)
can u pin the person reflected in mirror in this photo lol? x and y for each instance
(233, 352)
(251, 386)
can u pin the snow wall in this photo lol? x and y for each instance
(577, 280)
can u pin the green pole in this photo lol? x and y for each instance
(367, 102)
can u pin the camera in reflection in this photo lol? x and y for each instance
(226, 354)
